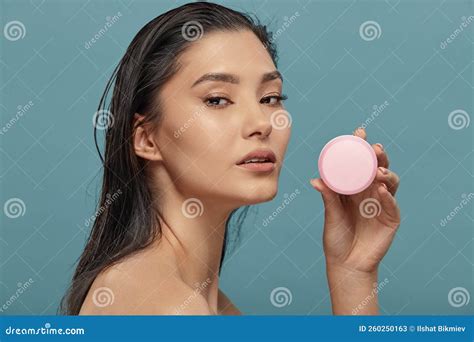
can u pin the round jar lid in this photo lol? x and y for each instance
(347, 164)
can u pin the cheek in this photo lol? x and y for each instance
(211, 140)
(282, 138)
(196, 148)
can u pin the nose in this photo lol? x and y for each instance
(258, 123)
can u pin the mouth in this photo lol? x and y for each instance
(262, 160)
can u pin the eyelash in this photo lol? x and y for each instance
(279, 98)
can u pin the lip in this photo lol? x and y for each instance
(261, 167)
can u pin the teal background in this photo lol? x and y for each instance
(333, 79)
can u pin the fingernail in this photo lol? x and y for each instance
(379, 145)
(385, 186)
(383, 170)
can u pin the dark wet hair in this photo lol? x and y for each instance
(125, 222)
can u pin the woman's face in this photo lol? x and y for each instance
(223, 104)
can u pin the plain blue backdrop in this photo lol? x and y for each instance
(415, 73)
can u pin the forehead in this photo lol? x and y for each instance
(238, 52)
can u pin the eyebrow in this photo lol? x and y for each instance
(230, 78)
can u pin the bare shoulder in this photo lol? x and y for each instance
(133, 287)
(226, 307)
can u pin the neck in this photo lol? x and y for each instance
(194, 232)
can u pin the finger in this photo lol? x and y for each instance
(389, 178)
(389, 205)
(382, 157)
(331, 199)
(325, 191)
(360, 132)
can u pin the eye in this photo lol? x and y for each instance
(217, 101)
(274, 100)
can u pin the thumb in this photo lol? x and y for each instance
(331, 200)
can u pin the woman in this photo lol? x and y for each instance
(191, 139)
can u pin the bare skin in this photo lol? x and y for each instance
(151, 283)
(178, 273)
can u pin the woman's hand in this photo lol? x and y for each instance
(358, 231)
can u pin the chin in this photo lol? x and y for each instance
(260, 194)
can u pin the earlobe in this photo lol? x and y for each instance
(143, 142)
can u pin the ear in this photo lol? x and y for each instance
(143, 142)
